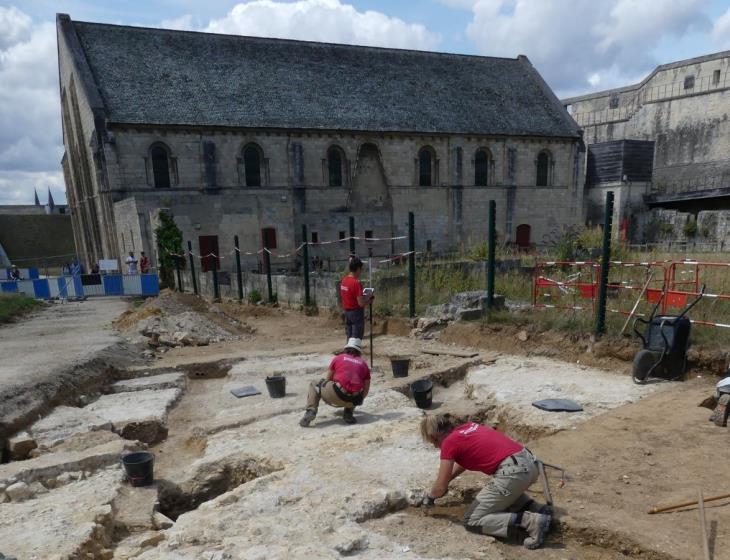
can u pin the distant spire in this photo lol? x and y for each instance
(37, 202)
(51, 205)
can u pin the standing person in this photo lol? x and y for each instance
(131, 263)
(15, 273)
(346, 385)
(354, 300)
(501, 506)
(144, 263)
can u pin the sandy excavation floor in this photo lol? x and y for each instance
(239, 479)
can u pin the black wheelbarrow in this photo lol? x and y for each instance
(664, 344)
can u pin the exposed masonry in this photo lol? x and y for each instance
(262, 139)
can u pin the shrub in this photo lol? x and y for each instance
(169, 244)
(690, 228)
(254, 296)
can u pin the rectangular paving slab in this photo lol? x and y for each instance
(140, 415)
(64, 422)
(172, 380)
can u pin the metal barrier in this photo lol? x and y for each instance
(633, 284)
(25, 273)
(85, 285)
(577, 281)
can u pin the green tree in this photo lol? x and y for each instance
(169, 246)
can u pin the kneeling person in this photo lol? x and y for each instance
(502, 504)
(346, 385)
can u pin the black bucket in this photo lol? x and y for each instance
(400, 366)
(276, 386)
(139, 468)
(422, 391)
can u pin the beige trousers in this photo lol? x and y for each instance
(325, 390)
(492, 509)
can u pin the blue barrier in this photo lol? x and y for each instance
(85, 285)
(25, 273)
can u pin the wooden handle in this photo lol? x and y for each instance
(657, 509)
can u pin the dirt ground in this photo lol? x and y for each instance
(239, 479)
(658, 450)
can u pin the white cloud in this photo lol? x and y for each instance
(578, 44)
(323, 20)
(30, 133)
(721, 31)
(14, 26)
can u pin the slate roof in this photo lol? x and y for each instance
(165, 77)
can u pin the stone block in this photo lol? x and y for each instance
(140, 415)
(173, 380)
(20, 445)
(64, 422)
(19, 491)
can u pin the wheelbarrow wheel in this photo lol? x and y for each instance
(644, 361)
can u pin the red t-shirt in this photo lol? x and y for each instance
(351, 372)
(478, 448)
(350, 288)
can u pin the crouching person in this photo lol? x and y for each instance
(346, 385)
(501, 507)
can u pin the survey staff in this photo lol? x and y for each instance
(354, 300)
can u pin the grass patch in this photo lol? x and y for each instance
(13, 306)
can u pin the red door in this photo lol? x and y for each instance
(523, 236)
(209, 252)
(268, 238)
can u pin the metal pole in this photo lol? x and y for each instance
(605, 264)
(352, 235)
(216, 286)
(192, 268)
(305, 253)
(267, 262)
(238, 268)
(491, 244)
(411, 267)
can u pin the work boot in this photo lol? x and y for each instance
(537, 507)
(306, 420)
(349, 415)
(536, 525)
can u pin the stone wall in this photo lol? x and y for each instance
(689, 125)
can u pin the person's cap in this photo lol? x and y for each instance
(355, 344)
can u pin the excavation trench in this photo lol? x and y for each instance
(210, 482)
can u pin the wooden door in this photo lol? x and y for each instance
(209, 252)
(523, 236)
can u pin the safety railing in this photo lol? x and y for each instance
(635, 288)
(85, 285)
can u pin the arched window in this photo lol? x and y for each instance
(543, 169)
(160, 166)
(252, 158)
(425, 167)
(481, 168)
(335, 161)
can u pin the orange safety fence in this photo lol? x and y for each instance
(565, 284)
(634, 288)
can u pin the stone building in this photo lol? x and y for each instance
(256, 137)
(682, 108)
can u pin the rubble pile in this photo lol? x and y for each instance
(188, 328)
(464, 306)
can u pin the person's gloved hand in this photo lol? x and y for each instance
(428, 501)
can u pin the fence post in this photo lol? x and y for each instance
(177, 273)
(267, 263)
(411, 267)
(305, 254)
(491, 244)
(352, 235)
(238, 268)
(605, 264)
(216, 286)
(192, 268)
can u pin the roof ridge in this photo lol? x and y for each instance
(298, 41)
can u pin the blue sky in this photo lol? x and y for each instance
(577, 45)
